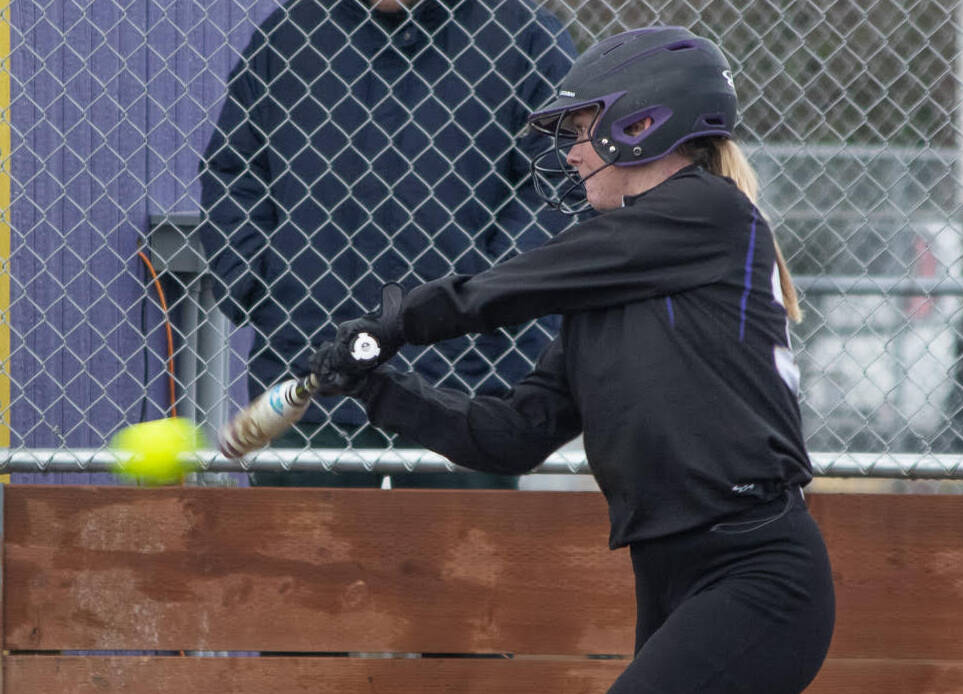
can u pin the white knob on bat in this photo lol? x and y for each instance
(365, 347)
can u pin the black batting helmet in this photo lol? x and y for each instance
(681, 81)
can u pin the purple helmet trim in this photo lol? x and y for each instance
(658, 114)
(606, 101)
(690, 136)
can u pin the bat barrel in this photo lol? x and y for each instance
(270, 415)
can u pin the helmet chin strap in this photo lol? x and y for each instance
(580, 183)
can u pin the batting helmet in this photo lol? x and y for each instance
(681, 81)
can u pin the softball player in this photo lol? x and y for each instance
(673, 361)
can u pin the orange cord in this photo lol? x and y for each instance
(167, 326)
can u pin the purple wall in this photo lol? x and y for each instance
(112, 104)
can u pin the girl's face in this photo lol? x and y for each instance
(604, 184)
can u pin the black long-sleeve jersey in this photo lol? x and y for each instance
(673, 360)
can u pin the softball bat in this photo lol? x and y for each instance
(279, 408)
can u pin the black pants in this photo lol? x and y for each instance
(329, 437)
(745, 607)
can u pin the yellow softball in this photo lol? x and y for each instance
(157, 452)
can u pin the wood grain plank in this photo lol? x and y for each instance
(865, 675)
(152, 675)
(418, 570)
(898, 572)
(162, 675)
(314, 570)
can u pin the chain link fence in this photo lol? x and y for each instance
(850, 113)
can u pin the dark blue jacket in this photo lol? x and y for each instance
(357, 148)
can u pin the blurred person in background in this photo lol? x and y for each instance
(368, 141)
(673, 360)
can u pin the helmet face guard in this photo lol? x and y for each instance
(556, 181)
(680, 81)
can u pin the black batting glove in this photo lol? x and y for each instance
(373, 339)
(335, 376)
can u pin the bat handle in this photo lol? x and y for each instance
(305, 388)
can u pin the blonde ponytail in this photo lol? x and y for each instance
(732, 163)
(723, 157)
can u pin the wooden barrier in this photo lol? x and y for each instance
(315, 576)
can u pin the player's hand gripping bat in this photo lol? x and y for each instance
(370, 341)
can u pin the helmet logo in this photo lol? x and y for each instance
(565, 92)
(727, 75)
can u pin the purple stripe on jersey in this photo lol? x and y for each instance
(668, 306)
(748, 280)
